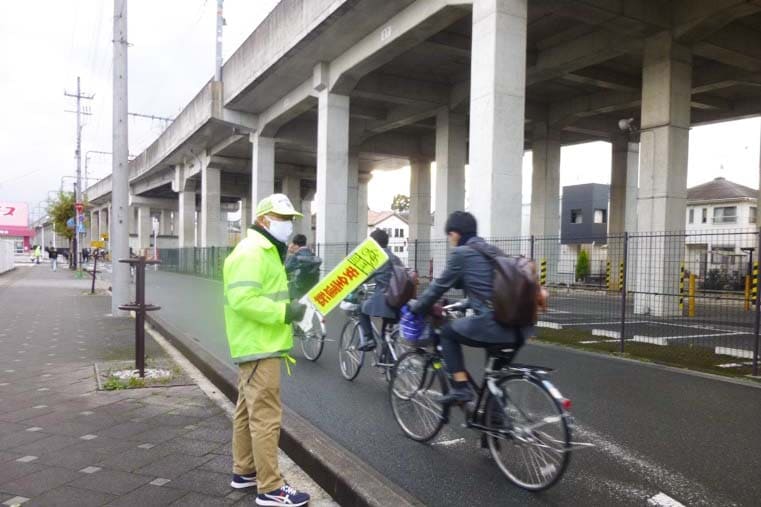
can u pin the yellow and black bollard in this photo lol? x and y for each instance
(754, 284)
(621, 276)
(543, 274)
(681, 289)
(607, 275)
(692, 289)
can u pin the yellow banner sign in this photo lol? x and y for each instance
(97, 244)
(347, 276)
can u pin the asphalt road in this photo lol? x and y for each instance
(656, 431)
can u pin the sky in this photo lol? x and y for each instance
(46, 44)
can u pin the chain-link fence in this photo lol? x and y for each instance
(687, 298)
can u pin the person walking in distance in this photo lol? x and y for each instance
(258, 317)
(53, 255)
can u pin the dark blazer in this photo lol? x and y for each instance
(376, 306)
(470, 271)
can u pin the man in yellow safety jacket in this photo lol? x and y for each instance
(258, 317)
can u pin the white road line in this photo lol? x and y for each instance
(447, 443)
(606, 323)
(549, 325)
(664, 340)
(663, 500)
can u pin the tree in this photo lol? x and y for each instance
(401, 203)
(61, 210)
(582, 266)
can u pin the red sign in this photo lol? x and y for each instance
(79, 207)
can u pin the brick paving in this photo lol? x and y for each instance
(63, 443)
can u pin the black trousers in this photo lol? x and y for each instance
(451, 347)
(366, 326)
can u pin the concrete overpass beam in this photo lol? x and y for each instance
(497, 107)
(332, 174)
(661, 203)
(262, 167)
(210, 207)
(418, 244)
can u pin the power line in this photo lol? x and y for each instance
(151, 117)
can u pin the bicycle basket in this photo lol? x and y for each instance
(413, 328)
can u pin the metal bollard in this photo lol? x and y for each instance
(681, 288)
(139, 307)
(543, 273)
(607, 275)
(691, 303)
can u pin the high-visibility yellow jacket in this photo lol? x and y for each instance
(256, 295)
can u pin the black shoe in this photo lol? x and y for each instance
(457, 395)
(367, 346)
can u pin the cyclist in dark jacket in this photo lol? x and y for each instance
(376, 306)
(302, 267)
(469, 270)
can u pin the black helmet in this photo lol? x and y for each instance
(461, 222)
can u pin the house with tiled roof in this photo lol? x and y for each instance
(396, 226)
(721, 220)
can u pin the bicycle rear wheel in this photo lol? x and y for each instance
(350, 358)
(531, 438)
(313, 341)
(417, 380)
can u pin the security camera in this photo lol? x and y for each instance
(626, 125)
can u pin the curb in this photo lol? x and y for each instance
(337, 470)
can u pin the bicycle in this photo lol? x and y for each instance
(522, 417)
(350, 358)
(313, 340)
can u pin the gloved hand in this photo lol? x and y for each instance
(294, 312)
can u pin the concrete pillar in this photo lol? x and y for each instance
(306, 210)
(662, 199)
(103, 222)
(497, 105)
(165, 228)
(418, 245)
(186, 215)
(362, 206)
(451, 145)
(332, 176)
(210, 207)
(353, 233)
(144, 227)
(622, 210)
(545, 199)
(291, 186)
(246, 215)
(262, 168)
(92, 231)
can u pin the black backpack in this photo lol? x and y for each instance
(515, 291)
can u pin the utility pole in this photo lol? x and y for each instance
(220, 24)
(119, 219)
(78, 189)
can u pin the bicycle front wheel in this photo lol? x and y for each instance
(530, 437)
(313, 341)
(350, 358)
(416, 383)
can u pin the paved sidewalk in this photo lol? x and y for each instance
(63, 443)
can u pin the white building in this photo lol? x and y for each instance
(396, 226)
(720, 222)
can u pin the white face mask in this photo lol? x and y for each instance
(281, 231)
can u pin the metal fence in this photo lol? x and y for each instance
(683, 297)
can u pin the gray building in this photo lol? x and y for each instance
(585, 214)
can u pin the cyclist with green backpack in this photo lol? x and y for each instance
(471, 268)
(302, 267)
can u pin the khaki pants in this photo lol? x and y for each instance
(256, 425)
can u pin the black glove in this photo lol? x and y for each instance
(294, 312)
